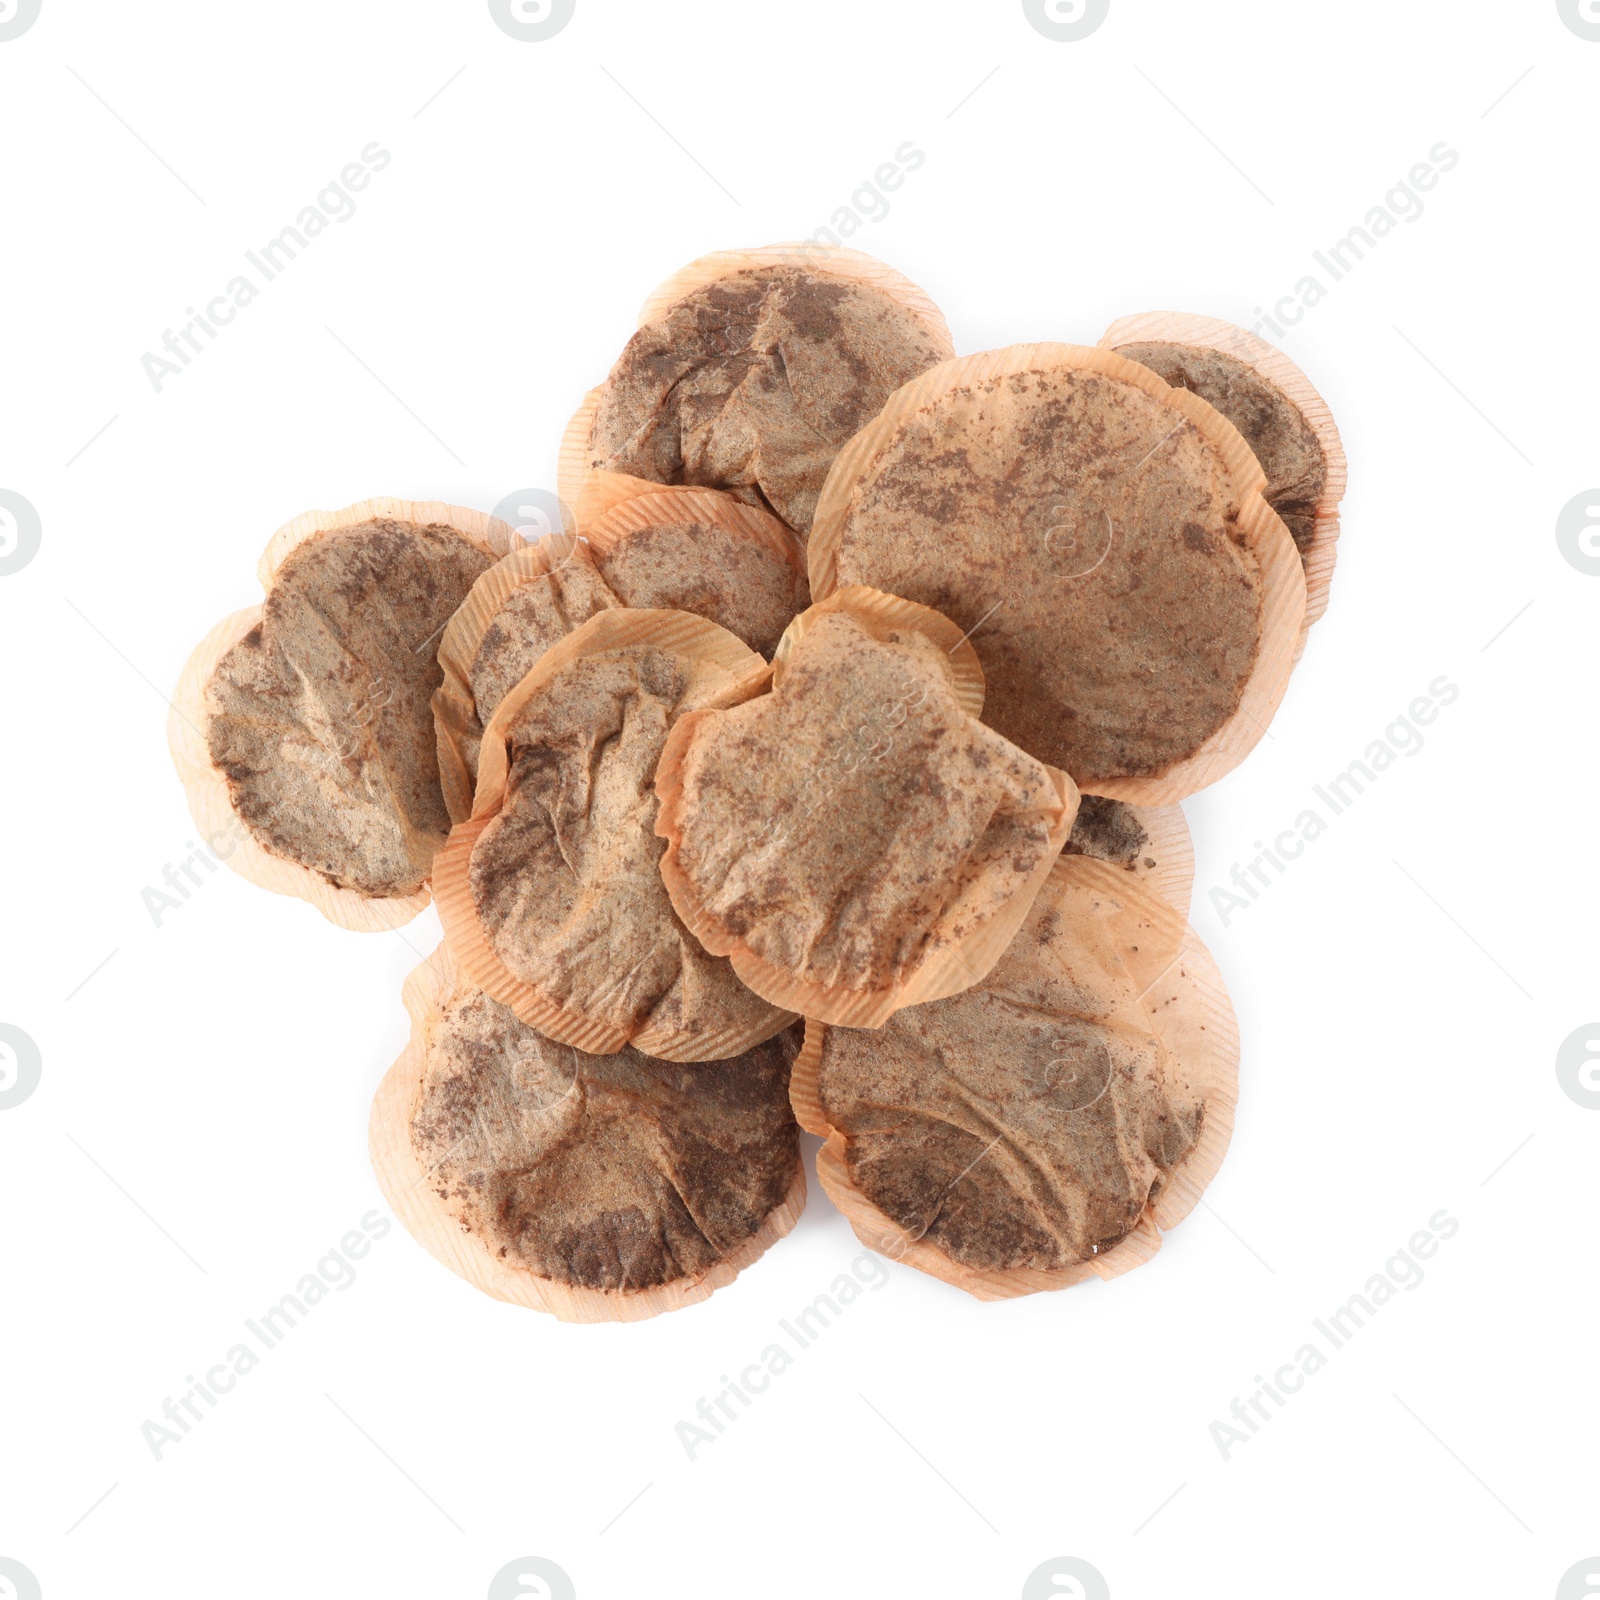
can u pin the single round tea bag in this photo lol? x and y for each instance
(550, 895)
(304, 724)
(750, 369)
(1101, 537)
(598, 1188)
(526, 602)
(1151, 842)
(1046, 1124)
(1273, 404)
(701, 551)
(856, 840)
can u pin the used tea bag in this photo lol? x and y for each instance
(1102, 538)
(1273, 404)
(598, 1188)
(305, 722)
(701, 551)
(750, 369)
(856, 840)
(1046, 1124)
(550, 895)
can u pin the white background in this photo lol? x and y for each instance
(198, 1139)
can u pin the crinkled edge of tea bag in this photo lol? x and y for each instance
(620, 505)
(1211, 333)
(602, 491)
(1186, 1007)
(403, 1181)
(838, 261)
(573, 472)
(1283, 578)
(724, 672)
(205, 785)
(883, 615)
(455, 708)
(946, 971)
(492, 536)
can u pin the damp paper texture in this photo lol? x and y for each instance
(1110, 831)
(857, 822)
(1273, 426)
(534, 616)
(1085, 533)
(523, 605)
(320, 717)
(696, 551)
(616, 1172)
(676, 549)
(753, 382)
(1026, 1122)
(564, 878)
